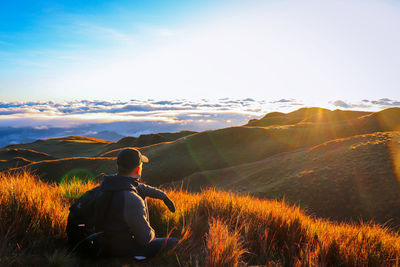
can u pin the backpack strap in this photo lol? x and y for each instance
(101, 209)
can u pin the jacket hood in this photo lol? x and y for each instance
(118, 183)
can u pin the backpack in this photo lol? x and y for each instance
(85, 223)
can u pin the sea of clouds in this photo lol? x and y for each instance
(112, 120)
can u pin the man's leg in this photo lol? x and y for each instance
(156, 246)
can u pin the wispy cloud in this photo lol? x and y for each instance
(367, 104)
(386, 102)
(98, 32)
(346, 105)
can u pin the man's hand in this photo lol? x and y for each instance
(170, 205)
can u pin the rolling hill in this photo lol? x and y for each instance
(81, 146)
(320, 115)
(82, 167)
(70, 146)
(15, 157)
(144, 140)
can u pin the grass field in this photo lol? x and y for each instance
(215, 228)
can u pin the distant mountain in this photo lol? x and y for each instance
(144, 140)
(81, 146)
(62, 147)
(107, 135)
(316, 115)
(110, 131)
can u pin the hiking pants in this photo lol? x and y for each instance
(128, 247)
(155, 246)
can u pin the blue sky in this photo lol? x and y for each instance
(36, 30)
(315, 52)
(29, 25)
(89, 67)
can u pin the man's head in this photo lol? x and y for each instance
(129, 162)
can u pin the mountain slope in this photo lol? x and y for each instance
(56, 170)
(144, 140)
(71, 146)
(81, 146)
(318, 115)
(14, 157)
(10, 153)
(349, 178)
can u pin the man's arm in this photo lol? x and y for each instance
(149, 191)
(136, 218)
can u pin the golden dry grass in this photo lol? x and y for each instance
(214, 227)
(224, 247)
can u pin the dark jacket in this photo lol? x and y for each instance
(127, 215)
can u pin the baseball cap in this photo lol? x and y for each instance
(130, 158)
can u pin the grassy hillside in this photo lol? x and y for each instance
(319, 115)
(15, 157)
(215, 228)
(349, 178)
(82, 167)
(144, 140)
(70, 146)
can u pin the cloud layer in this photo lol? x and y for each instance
(111, 120)
(179, 111)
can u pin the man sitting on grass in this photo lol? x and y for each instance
(127, 229)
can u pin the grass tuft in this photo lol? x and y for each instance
(224, 247)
